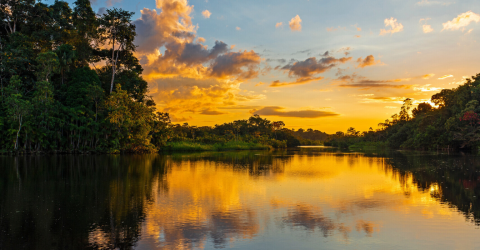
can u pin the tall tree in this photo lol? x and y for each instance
(117, 29)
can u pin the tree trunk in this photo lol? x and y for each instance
(18, 132)
(113, 65)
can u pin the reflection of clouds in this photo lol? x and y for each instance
(367, 227)
(221, 227)
(305, 216)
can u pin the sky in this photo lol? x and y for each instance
(326, 65)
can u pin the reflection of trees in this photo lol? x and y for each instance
(451, 179)
(54, 202)
(256, 163)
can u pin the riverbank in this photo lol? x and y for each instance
(185, 146)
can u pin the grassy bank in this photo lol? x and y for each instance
(185, 146)
(368, 146)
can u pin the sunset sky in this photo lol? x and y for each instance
(326, 65)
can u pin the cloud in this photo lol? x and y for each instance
(357, 36)
(395, 26)
(462, 81)
(206, 14)
(313, 66)
(332, 29)
(445, 77)
(280, 24)
(366, 86)
(110, 3)
(296, 23)
(238, 107)
(189, 77)
(461, 21)
(280, 111)
(244, 65)
(427, 2)
(102, 11)
(427, 28)
(398, 100)
(304, 71)
(238, 28)
(368, 61)
(302, 80)
(209, 111)
(427, 88)
(427, 76)
(358, 28)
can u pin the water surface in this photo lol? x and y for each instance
(308, 198)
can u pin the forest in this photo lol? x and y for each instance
(452, 123)
(70, 82)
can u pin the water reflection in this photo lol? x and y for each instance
(232, 199)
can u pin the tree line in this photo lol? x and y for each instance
(70, 82)
(453, 122)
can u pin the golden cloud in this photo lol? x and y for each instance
(461, 21)
(280, 24)
(395, 26)
(206, 14)
(445, 77)
(189, 78)
(280, 111)
(295, 23)
(302, 80)
(427, 28)
(368, 61)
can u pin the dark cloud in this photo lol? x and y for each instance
(194, 53)
(325, 54)
(102, 11)
(211, 112)
(239, 107)
(278, 111)
(311, 66)
(242, 64)
(282, 61)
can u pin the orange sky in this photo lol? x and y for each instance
(311, 64)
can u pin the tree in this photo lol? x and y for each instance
(47, 65)
(422, 109)
(405, 110)
(117, 28)
(66, 56)
(17, 108)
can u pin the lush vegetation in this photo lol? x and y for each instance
(70, 82)
(453, 124)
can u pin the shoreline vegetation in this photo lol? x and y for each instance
(56, 97)
(70, 83)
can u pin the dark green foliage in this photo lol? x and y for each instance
(455, 124)
(52, 98)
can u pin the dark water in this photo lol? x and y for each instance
(310, 198)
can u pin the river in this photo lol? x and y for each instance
(304, 198)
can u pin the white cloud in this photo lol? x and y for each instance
(395, 26)
(461, 21)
